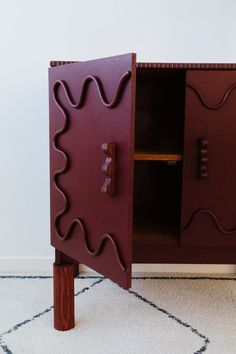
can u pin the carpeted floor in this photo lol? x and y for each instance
(164, 314)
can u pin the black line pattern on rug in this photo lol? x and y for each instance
(101, 277)
(182, 278)
(20, 324)
(46, 277)
(178, 320)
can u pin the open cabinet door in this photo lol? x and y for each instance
(91, 163)
(209, 161)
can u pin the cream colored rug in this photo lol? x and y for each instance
(164, 314)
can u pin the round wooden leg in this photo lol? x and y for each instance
(63, 287)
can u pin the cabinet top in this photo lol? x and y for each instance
(193, 66)
(209, 66)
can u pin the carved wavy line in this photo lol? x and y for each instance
(213, 216)
(100, 91)
(102, 241)
(214, 106)
(59, 149)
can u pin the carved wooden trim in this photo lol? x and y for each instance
(60, 62)
(188, 66)
(85, 84)
(77, 222)
(213, 217)
(97, 251)
(203, 101)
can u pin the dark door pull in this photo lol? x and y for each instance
(109, 168)
(203, 157)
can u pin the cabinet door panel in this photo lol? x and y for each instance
(209, 160)
(91, 163)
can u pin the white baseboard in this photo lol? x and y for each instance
(26, 265)
(185, 268)
(44, 265)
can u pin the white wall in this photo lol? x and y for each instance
(34, 32)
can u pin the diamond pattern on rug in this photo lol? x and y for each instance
(158, 315)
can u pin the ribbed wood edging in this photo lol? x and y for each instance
(209, 66)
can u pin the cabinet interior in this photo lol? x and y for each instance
(159, 128)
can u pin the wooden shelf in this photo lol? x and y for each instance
(150, 155)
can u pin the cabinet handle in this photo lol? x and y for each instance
(203, 157)
(109, 168)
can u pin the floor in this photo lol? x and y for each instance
(161, 313)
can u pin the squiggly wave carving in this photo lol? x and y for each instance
(214, 106)
(64, 236)
(214, 218)
(100, 91)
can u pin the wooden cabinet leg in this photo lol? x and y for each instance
(76, 269)
(63, 287)
(63, 258)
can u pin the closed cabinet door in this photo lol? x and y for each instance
(209, 160)
(91, 163)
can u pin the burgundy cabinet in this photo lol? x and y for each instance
(142, 168)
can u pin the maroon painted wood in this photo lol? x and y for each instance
(208, 197)
(63, 290)
(91, 104)
(149, 252)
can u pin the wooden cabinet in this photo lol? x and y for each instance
(142, 165)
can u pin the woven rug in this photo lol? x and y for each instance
(160, 314)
